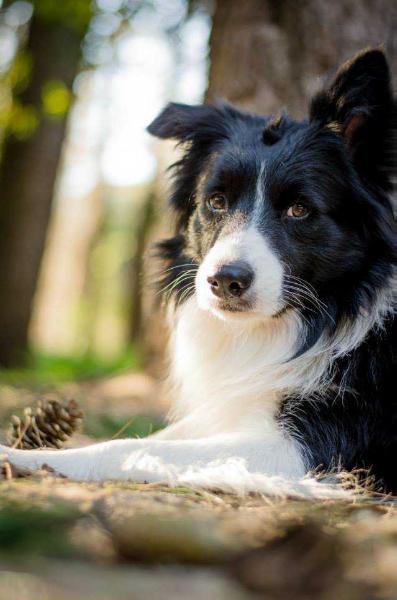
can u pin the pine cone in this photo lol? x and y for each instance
(49, 425)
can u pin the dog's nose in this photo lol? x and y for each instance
(231, 281)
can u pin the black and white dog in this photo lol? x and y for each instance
(279, 280)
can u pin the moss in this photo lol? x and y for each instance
(28, 529)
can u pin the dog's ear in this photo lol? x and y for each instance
(186, 123)
(358, 104)
(200, 128)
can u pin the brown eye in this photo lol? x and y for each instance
(217, 203)
(297, 211)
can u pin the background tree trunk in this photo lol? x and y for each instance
(136, 316)
(27, 178)
(270, 54)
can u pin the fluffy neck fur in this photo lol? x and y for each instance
(229, 377)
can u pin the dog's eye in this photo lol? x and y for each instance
(297, 211)
(217, 203)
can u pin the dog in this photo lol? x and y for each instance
(278, 282)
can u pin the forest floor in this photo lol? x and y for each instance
(69, 541)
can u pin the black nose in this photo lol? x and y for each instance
(231, 281)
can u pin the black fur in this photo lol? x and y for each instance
(338, 165)
(356, 429)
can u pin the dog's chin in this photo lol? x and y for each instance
(235, 312)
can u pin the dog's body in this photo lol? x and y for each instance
(280, 287)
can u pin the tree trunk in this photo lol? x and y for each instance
(27, 178)
(142, 230)
(269, 54)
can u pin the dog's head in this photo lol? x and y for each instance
(274, 214)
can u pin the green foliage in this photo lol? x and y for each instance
(22, 526)
(56, 99)
(75, 14)
(52, 369)
(15, 118)
(20, 71)
(23, 120)
(105, 426)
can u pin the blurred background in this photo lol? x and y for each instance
(83, 187)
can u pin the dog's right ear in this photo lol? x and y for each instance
(185, 123)
(357, 98)
(358, 106)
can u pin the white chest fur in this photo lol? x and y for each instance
(228, 375)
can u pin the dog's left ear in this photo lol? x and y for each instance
(358, 103)
(185, 123)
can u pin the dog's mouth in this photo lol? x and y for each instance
(233, 307)
(245, 312)
(234, 310)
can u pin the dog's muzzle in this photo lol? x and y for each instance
(241, 276)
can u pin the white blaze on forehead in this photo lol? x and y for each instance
(248, 245)
(259, 191)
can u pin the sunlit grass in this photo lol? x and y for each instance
(106, 426)
(52, 369)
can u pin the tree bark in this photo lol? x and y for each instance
(27, 179)
(136, 316)
(269, 54)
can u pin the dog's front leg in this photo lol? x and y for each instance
(221, 457)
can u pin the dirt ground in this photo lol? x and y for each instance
(61, 540)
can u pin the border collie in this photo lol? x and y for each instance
(279, 283)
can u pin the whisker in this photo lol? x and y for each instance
(163, 271)
(301, 284)
(307, 295)
(185, 293)
(310, 296)
(180, 278)
(306, 285)
(171, 284)
(176, 284)
(170, 292)
(305, 319)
